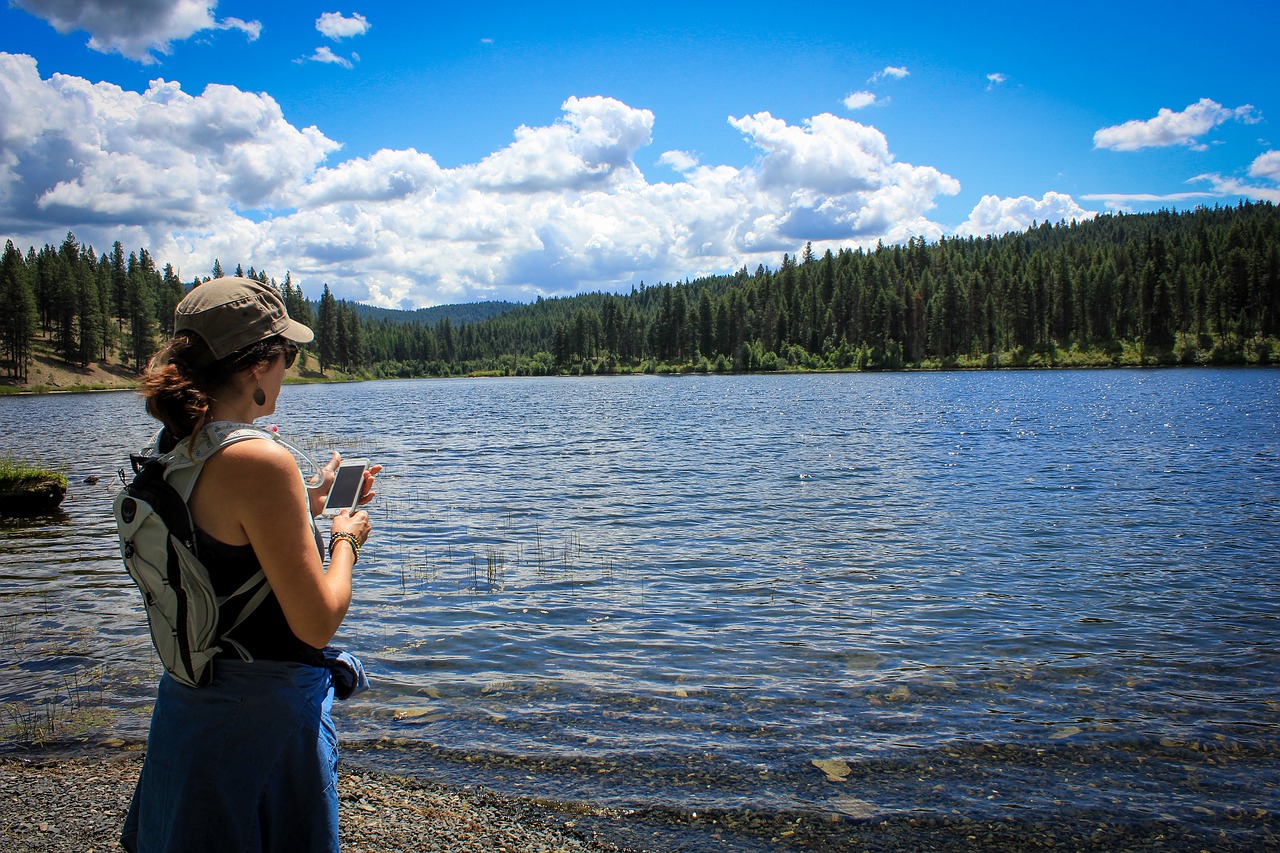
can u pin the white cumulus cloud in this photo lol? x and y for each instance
(590, 147)
(1267, 166)
(80, 152)
(136, 29)
(560, 209)
(681, 161)
(1172, 128)
(384, 176)
(833, 178)
(994, 215)
(335, 26)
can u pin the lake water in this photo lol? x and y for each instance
(1037, 594)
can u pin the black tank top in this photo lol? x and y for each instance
(265, 633)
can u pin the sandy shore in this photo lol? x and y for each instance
(55, 803)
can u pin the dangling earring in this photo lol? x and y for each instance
(259, 396)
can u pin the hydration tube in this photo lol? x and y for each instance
(315, 478)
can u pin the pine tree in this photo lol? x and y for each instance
(327, 331)
(106, 303)
(18, 312)
(141, 300)
(67, 300)
(89, 308)
(169, 294)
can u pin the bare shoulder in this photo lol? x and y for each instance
(242, 481)
(259, 452)
(259, 461)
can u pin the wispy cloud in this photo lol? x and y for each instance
(333, 25)
(1173, 128)
(995, 78)
(897, 72)
(1229, 186)
(326, 55)
(1265, 168)
(858, 100)
(1129, 202)
(137, 31)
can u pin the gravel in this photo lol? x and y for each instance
(59, 801)
(77, 803)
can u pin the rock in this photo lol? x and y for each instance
(32, 497)
(854, 807)
(837, 769)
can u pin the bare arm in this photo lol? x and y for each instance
(252, 492)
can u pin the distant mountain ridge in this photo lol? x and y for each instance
(470, 312)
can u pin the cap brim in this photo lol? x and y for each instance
(297, 332)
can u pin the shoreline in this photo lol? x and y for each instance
(12, 390)
(58, 799)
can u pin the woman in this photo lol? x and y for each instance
(248, 762)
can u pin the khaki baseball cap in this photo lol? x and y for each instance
(232, 313)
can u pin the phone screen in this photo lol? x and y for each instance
(346, 488)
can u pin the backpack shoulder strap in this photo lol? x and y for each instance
(184, 463)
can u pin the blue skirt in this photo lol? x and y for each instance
(247, 763)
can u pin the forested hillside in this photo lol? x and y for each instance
(1194, 287)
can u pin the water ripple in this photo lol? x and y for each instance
(767, 569)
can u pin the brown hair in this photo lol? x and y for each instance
(183, 378)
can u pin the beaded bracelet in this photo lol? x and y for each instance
(355, 545)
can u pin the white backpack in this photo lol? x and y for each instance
(157, 542)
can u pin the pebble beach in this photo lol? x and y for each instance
(54, 804)
(55, 801)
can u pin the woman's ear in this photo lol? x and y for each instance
(247, 379)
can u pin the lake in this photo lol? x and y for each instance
(1021, 595)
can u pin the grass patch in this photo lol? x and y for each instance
(15, 473)
(73, 712)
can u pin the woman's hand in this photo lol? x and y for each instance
(366, 488)
(356, 523)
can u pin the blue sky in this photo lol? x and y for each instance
(412, 154)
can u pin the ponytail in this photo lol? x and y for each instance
(183, 379)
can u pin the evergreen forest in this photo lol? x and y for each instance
(1192, 287)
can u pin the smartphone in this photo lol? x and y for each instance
(346, 488)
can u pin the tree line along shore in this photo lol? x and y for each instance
(1191, 287)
